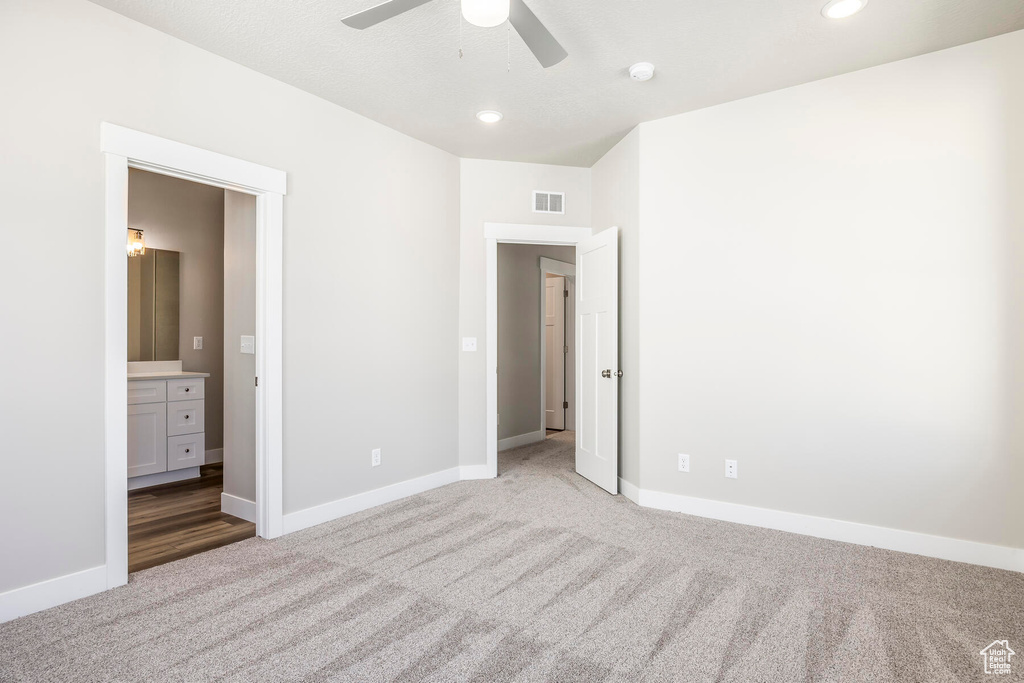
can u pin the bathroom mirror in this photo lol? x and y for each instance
(153, 306)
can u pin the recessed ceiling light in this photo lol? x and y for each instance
(489, 116)
(641, 71)
(840, 9)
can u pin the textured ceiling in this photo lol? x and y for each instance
(406, 73)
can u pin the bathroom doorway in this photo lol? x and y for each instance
(126, 149)
(191, 254)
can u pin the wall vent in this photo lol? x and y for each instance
(548, 202)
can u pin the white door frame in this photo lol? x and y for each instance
(124, 148)
(568, 271)
(510, 233)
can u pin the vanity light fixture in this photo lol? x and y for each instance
(486, 13)
(840, 9)
(489, 116)
(136, 243)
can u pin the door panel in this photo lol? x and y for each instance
(597, 359)
(147, 439)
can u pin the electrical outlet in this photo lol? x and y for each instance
(197, 343)
(375, 457)
(469, 343)
(730, 469)
(684, 462)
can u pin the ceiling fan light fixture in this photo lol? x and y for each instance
(840, 9)
(489, 116)
(486, 13)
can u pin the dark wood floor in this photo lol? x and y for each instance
(172, 521)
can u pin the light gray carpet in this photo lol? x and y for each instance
(535, 576)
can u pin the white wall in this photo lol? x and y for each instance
(519, 340)
(188, 218)
(357, 191)
(832, 295)
(498, 192)
(615, 195)
(240, 285)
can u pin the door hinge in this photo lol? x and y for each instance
(565, 349)
(565, 405)
(257, 381)
(565, 293)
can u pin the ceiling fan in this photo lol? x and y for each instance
(483, 13)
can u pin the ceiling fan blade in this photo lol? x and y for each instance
(381, 12)
(540, 41)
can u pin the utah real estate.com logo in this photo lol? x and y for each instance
(997, 657)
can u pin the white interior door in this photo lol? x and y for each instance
(597, 359)
(554, 352)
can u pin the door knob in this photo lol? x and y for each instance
(606, 373)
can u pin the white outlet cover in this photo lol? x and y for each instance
(684, 462)
(469, 343)
(247, 344)
(375, 457)
(730, 469)
(197, 343)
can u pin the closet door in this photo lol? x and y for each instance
(147, 439)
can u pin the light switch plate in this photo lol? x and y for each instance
(248, 344)
(469, 343)
(197, 343)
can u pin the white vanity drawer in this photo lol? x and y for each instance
(147, 391)
(188, 450)
(185, 417)
(186, 389)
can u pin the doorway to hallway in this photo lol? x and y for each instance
(596, 322)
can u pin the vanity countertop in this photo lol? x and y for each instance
(178, 374)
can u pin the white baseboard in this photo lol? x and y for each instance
(238, 507)
(214, 455)
(162, 478)
(521, 440)
(46, 594)
(941, 547)
(319, 514)
(468, 472)
(629, 490)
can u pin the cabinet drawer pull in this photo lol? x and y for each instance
(186, 417)
(188, 450)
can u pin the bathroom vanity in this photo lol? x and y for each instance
(166, 418)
